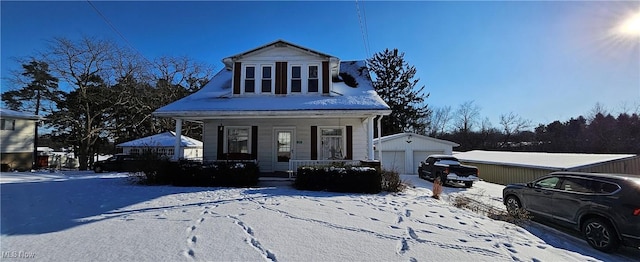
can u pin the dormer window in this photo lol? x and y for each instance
(250, 79)
(266, 79)
(313, 79)
(296, 79)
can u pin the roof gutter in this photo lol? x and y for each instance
(201, 115)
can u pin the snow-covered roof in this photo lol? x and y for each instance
(405, 136)
(541, 160)
(166, 139)
(19, 115)
(215, 100)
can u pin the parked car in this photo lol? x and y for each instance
(120, 162)
(449, 169)
(604, 207)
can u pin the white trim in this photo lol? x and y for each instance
(273, 78)
(319, 78)
(243, 78)
(290, 79)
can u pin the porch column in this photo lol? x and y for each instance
(370, 154)
(380, 140)
(176, 146)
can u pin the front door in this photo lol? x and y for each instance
(284, 141)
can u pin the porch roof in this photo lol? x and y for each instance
(166, 139)
(216, 100)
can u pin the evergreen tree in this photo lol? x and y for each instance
(40, 88)
(395, 83)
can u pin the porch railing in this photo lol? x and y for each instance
(294, 164)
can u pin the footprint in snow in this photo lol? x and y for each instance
(189, 253)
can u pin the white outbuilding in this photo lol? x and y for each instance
(403, 152)
(163, 144)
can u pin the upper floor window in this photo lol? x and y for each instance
(313, 79)
(296, 79)
(266, 79)
(7, 124)
(250, 79)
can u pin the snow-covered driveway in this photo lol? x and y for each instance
(80, 216)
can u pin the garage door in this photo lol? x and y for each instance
(393, 160)
(419, 156)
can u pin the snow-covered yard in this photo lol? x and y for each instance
(81, 216)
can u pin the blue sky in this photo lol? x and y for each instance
(542, 60)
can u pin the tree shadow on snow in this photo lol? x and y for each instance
(53, 206)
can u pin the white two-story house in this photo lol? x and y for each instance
(282, 102)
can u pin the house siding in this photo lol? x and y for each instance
(302, 145)
(17, 145)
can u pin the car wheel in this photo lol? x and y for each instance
(600, 235)
(97, 169)
(512, 203)
(468, 184)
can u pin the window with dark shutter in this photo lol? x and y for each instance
(296, 79)
(249, 80)
(313, 79)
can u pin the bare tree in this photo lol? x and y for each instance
(440, 120)
(598, 108)
(88, 67)
(467, 117)
(512, 124)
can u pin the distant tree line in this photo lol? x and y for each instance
(599, 132)
(95, 93)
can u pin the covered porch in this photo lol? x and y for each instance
(281, 144)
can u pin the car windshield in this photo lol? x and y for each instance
(448, 162)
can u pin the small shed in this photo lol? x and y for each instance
(504, 167)
(163, 144)
(403, 152)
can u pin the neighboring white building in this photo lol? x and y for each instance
(282, 102)
(403, 152)
(163, 144)
(17, 139)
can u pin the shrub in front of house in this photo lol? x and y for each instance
(339, 179)
(391, 181)
(235, 174)
(195, 173)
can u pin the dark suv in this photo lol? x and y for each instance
(119, 162)
(604, 207)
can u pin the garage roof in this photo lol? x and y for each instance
(540, 160)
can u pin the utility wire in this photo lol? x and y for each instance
(363, 29)
(117, 31)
